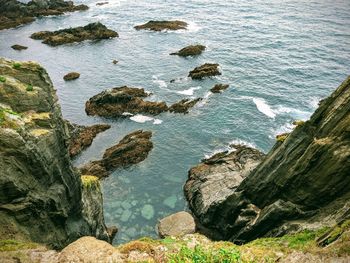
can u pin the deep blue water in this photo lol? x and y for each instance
(279, 57)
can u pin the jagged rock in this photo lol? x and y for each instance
(206, 70)
(92, 31)
(302, 182)
(183, 105)
(18, 47)
(218, 88)
(178, 224)
(132, 149)
(116, 101)
(40, 193)
(102, 3)
(71, 76)
(163, 25)
(14, 13)
(81, 137)
(115, 61)
(193, 50)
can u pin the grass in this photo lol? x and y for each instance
(16, 65)
(6, 122)
(29, 87)
(282, 137)
(12, 245)
(2, 79)
(90, 181)
(298, 122)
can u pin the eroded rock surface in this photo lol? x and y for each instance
(183, 105)
(14, 13)
(192, 50)
(218, 88)
(132, 149)
(206, 70)
(93, 31)
(163, 25)
(18, 47)
(301, 183)
(71, 76)
(178, 224)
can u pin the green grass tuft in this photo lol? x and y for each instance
(90, 181)
(29, 87)
(16, 65)
(2, 79)
(12, 245)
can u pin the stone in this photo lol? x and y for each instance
(147, 211)
(218, 88)
(71, 76)
(178, 224)
(18, 47)
(206, 70)
(115, 61)
(170, 201)
(101, 3)
(183, 105)
(163, 25)
(125, 216)
(192, 50)
(92, 31)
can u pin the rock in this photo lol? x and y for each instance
(102, 3)
(218, 88)
(18, 47)
(92, 31)
(81, 137)
(89, 249)
(193, 50)
(115, 61)
(184, 105)
(301, 183)
(170, 201)
(206, 70)
(112, 232)
(115, 102)
(132, 149)
(163, 25)
(178, 224)
(14, 13)
(147, 212)
(71, 76)
(42, 197)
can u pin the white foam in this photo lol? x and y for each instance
(264, 108)
(285, 128)
(157, 121)
(207, 156)
(141, 118)
(188, 92)
(242, 142)
(193, 27)
(314, 102)
(127, 114)
(161, 83)
(295, 113)
(204, 100)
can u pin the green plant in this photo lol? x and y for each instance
(29, 87)
(12, 245)
(298, 122)
(282, 137)
(16, 65)
(89, 181)
(2, 79)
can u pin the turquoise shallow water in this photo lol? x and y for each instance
(279, 57)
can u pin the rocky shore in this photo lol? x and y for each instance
(206, 70)
(163, 25)
(192, 50)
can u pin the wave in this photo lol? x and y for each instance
(204, 100)
(229, 148)
(192, 27)
(263, 107)
(242, 142)
(188, 92)
(142, 119)
(159, 82)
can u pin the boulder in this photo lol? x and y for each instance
(218, 88)
(71, 76)
(193, 50)
(183, 105)
(101, 3)
(178, 224)
(206, 70)
(92, 31)
(163, 25)
(18, 47)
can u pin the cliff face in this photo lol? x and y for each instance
(40, 193)
(303, 182)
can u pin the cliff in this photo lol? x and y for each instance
(302, 183)
(40, 193)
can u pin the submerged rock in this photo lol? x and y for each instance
(132, 149)
(115, 61)
(14, 13)
(18, 47)
(301, 183)
(93, 31)
(81, 137)
(193, 50)
(71, 76)
(206, 70)
(163, 25)
(102, 3)
(183, 105)
(147, 212)
(218, 88)
(178, 224)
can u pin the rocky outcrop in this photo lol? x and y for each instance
(40, 193)
(178, 224)
(71, 76)
(132, 149)
(18, 47)
(163, 25)
(206, 70)
(183, 105)
(301, 183)
(93, 31)
(192, 50)
(81, 137)
(14, 13)
(218, 88)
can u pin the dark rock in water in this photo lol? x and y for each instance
(178, 224)
(115, 61)
(102, 3)
(163, 25)
(301, 183)
(193, 50)
(81, 137)
(116, 101)
(206, 70)
(14, 13)
(93, 31)
(183, 105)
(71, 76)
(42, 197)
(218, 88)
(18, 47)
(132, 149)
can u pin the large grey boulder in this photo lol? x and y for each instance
(178, 224)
